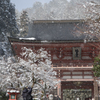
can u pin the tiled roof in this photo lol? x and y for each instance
(54, 30)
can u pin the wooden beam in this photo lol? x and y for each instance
(72, 68)
(77, 79)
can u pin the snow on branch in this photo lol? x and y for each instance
(91, 24)
(34, 70)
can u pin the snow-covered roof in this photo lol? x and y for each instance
(31, 38)
(13, 91)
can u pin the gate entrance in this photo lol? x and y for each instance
(77, 94)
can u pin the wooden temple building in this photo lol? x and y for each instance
(72, 57)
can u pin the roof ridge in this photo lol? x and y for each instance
(57, 21)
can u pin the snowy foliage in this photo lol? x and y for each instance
(57, 10)
(7, 18)
(91, 23)
(34, 70)
(24, 21)
(54, 10)
(92, 20)
(8, 26)
(5, 47)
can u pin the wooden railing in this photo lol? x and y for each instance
(77, 66)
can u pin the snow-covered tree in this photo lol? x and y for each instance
(33, 69)
(24, 21)
(18, 21)
(91, 26)
(8, 26)
(93, 19)
(7, 18)
(57, 10)
(6, 47)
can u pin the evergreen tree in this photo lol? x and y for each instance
(96, 67)
(7, 18)
(24, 21)
(18, 21)
(8, 26)
(3, 95)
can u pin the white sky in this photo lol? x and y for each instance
(22, 4)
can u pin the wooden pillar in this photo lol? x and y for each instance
(95, 89)
(59, 89)
(99, 91)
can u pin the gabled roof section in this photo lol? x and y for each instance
(55, 30)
